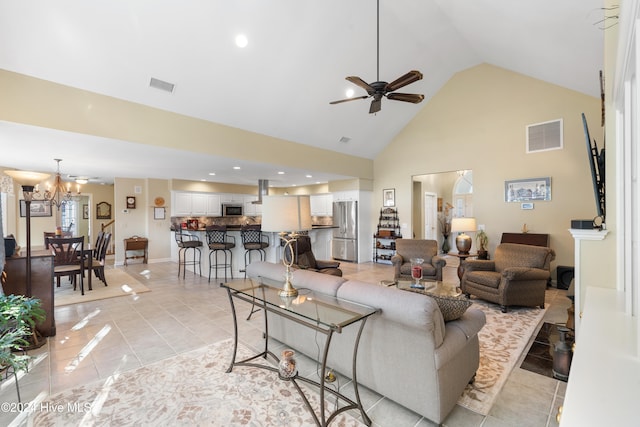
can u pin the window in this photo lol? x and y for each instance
(69, 216)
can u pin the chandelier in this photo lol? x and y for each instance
(60, 193)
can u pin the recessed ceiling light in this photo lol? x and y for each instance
(236, 167)
(241, 40)
(212, 173)
(280, 173)
(309, 176)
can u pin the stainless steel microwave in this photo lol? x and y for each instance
(232, 209)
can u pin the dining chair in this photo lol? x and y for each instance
(68, 259)
(99, 257)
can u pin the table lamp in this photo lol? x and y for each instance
(286, 215)
(463, 241)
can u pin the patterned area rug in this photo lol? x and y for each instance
(502, 342)
(191, 389)
(120, 284)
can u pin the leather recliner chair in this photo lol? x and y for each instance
(306, 260)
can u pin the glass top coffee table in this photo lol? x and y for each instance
(431, 287)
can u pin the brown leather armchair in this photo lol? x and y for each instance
(305, 259)
(417, 248)
(517, 275)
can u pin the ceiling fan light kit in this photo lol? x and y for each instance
(380, 89)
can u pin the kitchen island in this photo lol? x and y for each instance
(320, 239)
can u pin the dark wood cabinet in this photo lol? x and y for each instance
(41, 285)
(532, 239)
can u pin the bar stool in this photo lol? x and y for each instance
(253, 240)
(219, 241)
(186, 242)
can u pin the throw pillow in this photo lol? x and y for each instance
(452, 308)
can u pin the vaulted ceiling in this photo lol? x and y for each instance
(298, 55)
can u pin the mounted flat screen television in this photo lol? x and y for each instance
(596, 164)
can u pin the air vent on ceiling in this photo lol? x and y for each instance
(544, 136)
(345, 139)
(161, 84)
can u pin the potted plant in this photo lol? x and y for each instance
(482, 241)
(18, 317)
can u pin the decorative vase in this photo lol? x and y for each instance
(287, 365)
(445, 244)
(416, 272)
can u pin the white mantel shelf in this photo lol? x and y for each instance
(604, 381)
(579, 236)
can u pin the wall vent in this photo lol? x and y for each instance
(544, 136)
(162, 85)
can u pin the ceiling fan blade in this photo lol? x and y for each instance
(406, 97)
(410, 77)
(376, 105)
(349, 99)
(359, 82)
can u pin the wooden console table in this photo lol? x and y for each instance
(136, 244)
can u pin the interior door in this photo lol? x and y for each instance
(430, 216)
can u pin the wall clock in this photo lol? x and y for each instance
(131, 202)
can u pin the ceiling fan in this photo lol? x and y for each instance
(379, 89)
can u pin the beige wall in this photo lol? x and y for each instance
(42, 103)
(477, 121)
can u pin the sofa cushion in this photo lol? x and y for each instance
(452, 308)
(490, 279)
(516, 255)
(302, 279)
(406, 308)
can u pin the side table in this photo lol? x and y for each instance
(136, 244)
(461, 265)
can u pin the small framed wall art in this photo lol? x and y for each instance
(389, 197)
(131, 202)
(158, 213)
(38, 208)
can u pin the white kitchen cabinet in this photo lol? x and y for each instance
(250, 208)
(231, 198)
(198, 204)
(214, 207)
(345, 196)
(189, 204)
(321, 204)
(181, 205)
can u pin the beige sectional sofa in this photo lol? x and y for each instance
(407, 352)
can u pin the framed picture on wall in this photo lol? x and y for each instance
(389, 197)
(158, 213)
(38, 208)
(103, 210)
(525, 190)
(85, 211)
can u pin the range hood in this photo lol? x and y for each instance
(263, 190)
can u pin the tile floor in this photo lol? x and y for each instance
(95, 339)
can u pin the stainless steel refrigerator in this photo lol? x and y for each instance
(344, 245)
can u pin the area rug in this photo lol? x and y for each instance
(120, 284)
(191, 389)
(502, 342)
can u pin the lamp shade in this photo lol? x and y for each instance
(286, 213)
(460, 225)
(26, 177)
